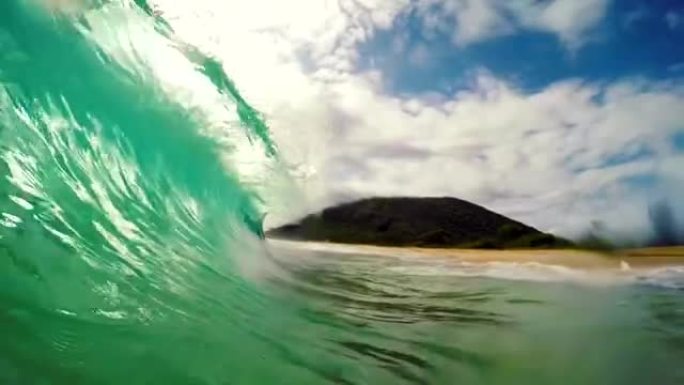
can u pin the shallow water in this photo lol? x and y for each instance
(411, 320)
(311, 317)
(133, 180)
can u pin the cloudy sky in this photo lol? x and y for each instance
(558, 113)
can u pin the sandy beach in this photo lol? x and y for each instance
(582, 259)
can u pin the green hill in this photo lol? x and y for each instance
(426, 222)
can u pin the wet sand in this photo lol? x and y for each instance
(582, 259)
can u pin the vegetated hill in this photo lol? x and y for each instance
(426, 222)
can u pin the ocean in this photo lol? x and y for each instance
(134, 182)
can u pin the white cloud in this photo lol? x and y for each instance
(468, 21)
(634, 16)
(550, 158)
(677, 67)
(674, 19)
(571, 20)
(471, 21)
(551, 150)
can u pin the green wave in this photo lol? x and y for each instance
(120, 219)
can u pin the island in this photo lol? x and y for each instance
(443, 222)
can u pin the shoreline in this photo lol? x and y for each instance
(580, 259)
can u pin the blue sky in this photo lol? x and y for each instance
(635, 38)
(559, 113)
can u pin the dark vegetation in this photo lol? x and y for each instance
(424, 222)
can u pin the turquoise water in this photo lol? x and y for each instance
(134, 180)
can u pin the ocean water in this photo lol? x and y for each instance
(133, 182)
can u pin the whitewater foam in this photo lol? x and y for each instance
(413, 262)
